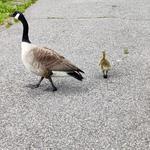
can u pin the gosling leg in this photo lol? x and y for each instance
(105, 73)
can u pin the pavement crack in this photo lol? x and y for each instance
(81, 18)
(88, 18)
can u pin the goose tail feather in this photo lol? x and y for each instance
(76, 75)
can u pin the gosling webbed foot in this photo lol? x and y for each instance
(105, 76)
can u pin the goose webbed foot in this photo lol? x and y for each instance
(32, 86)
(54, 89)
(53, 86)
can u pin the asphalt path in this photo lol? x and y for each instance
(96, 114)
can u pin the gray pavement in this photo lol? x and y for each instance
(97, 114)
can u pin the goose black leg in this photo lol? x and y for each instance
(36, 85)
(51, 81)
(53, 86)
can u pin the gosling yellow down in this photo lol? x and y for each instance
(105, 65)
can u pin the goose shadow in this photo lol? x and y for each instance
(73, 87)
(63, 88)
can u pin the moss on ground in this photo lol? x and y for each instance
(7, 7)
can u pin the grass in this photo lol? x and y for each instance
(7, 7)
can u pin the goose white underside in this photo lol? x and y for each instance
(60, 74)
(27, 58)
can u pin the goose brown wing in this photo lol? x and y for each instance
(51, 60)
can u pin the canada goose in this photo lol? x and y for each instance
(43, 61)
(104, 64)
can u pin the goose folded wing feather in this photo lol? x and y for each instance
(51, 60)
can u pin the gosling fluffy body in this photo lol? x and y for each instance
(105, 65)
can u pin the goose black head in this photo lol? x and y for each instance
(17, 15)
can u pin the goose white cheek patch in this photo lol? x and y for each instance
(17, 16)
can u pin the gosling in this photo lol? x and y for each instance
(105, 65)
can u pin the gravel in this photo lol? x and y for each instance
(95, 114)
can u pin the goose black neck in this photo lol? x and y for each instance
(25, 37)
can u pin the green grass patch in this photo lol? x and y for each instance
(7, 7)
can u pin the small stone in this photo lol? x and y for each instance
(126, 51)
